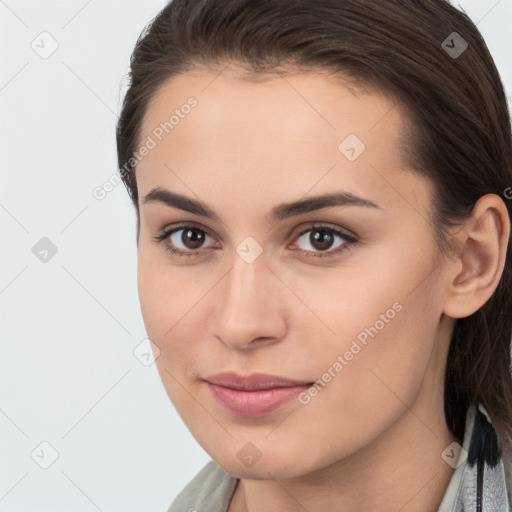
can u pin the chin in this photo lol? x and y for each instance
(264, 469)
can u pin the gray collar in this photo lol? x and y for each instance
(484, 484)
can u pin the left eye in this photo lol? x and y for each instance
(322, 239)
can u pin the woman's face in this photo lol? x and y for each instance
(347, 293)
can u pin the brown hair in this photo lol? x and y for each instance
(460, 132)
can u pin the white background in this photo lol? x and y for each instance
(68, 327)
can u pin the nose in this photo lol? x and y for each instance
(249, 306)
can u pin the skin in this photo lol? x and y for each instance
(372, 438)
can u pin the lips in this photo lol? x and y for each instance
(253, 395)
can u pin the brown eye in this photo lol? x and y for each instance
(187, 240)
(321, 239)
(191, 238)
(324, 241)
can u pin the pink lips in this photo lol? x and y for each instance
(253, 395)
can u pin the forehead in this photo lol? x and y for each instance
(279, 131)
(306, 103)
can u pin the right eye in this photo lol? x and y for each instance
(186, 240)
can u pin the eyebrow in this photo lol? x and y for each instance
(280, 212)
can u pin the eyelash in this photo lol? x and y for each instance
(350, 241)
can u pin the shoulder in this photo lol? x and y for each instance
(211, 489)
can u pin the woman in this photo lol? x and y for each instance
(323, 250)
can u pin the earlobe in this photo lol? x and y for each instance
(479, 266)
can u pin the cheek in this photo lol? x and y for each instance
(153, 296)
(172, 301)
(383, 340)
(381, 322)
(165, 291)
(372, 370)
(162, 300)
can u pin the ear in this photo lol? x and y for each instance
(477, 269)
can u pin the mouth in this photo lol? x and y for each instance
(253, 395)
